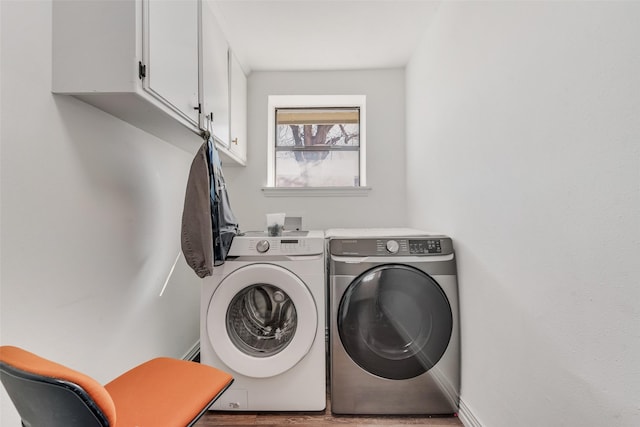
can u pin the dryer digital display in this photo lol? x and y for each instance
(428, 246)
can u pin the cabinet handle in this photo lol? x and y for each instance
(235, 141)
(199, 108)
(142, 70)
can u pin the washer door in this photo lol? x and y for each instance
(395, 321)
(261, 320)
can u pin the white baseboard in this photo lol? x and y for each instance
(466, 416)
(193, 352)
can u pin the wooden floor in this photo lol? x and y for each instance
(317, 419)
(324, 418)
(321, 418)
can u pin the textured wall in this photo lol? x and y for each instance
(91, 212)
(527, 113)
(385, 145)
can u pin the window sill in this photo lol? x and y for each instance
(316, 191)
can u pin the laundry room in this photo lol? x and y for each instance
(497, 161)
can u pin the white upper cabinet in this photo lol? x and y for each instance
(135, 59)
(215, 77)
(161, 65)
(224, 91)
(238, 86)
(170, 51)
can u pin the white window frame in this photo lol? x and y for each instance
(314, 101)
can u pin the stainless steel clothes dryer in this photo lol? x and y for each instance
(394, 325)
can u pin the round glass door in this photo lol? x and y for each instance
(395, 321)
(262, 320)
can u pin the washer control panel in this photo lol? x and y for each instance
(401, 246)
(262, 246)
(275, 246)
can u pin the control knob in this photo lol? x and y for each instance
(262, 246)
(392, 246)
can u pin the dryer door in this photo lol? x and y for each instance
(395, 321)
(261, 320)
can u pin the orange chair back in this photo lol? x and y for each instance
(46, 393)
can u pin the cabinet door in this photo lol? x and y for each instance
(170, 51)
(238, 109)
(215, 76)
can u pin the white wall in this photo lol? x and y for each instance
(528, 115)
(384, 90)
(91, 213)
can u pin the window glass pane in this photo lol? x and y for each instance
(314, 135)
(317, 169)
(317, 147)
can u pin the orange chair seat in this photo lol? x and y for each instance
(142, 398)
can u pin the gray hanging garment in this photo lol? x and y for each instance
(223, 222)
(197, 233)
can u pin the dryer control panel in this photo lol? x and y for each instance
(428, 246)
(390, 246)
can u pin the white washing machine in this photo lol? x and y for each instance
(263, 320)
(394, 324)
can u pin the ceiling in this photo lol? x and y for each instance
(288, 35)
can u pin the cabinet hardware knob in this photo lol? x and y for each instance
(235, 141)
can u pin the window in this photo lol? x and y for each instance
(316, 141)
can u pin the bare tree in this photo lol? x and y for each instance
(308, 138)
